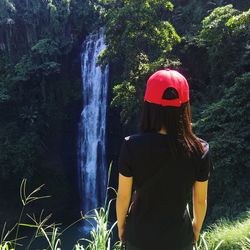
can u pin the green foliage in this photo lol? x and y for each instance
(101, 231)
(240, 22)
(39, 62)
(217, 54)
(187, 17)
(19, 153)
(226, 124)
(138, 35)
(5, 242)
(46, 47)
(224, 34)
(100, 235)
(37, 40)
(214, 30)
(224, 234)
(138, 27)
(4, 67)
(232, 235)
(51, 233)
(125, 98)
(24, 68)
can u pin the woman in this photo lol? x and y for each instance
(165, 163)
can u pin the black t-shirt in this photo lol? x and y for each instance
(158, 218)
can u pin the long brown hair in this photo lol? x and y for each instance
(177, 122)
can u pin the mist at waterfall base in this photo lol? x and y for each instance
(91, 144)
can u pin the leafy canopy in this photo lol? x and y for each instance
(138, 36)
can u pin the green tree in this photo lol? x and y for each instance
(37, 39)
(138, 35)
(226, 124)
(226, 43)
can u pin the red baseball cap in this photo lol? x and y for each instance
(165, 79)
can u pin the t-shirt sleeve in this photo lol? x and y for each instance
(204, 165)
(124, 162)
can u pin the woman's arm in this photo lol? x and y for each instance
(199, 205)
(122, 202)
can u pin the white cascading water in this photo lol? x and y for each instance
(92, 125)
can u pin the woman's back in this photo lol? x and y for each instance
(163, 185)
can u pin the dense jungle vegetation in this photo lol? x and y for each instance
(40, 87)
(210, 45)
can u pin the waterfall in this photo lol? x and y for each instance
(92, 126)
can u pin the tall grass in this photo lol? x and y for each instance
(223, 235)
(228, 235)
(100, 234)
(5, 241)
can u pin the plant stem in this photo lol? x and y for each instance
(17, 230)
